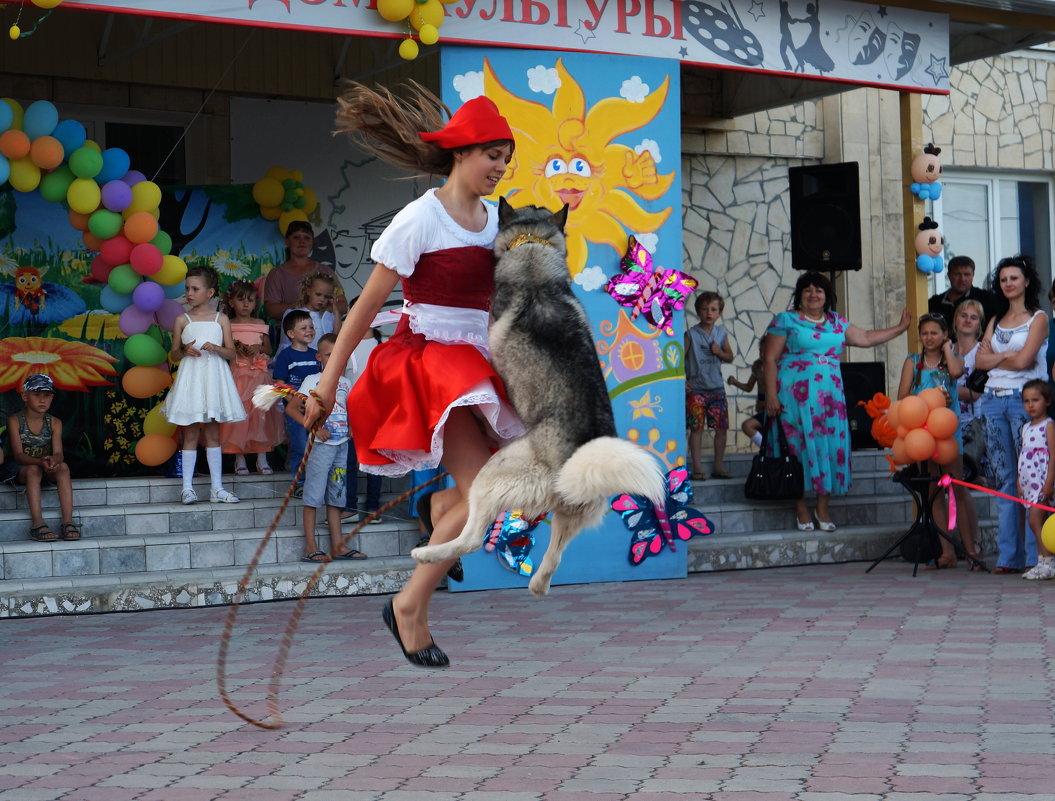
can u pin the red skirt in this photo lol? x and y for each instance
(399, 405)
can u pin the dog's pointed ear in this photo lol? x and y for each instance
(505, 211)
(560, 219)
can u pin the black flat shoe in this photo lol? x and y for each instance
(424, 507)
(431, 656)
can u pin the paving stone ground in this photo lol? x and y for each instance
(804, 684)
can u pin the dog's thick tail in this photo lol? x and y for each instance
(607, 466)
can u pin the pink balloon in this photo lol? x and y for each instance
(167, 314)
(117, 195)
(134, 320)
(116, 250)
(133, 177)
(146, 259)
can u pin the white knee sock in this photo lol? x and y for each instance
(215, 458)
(757, 439)
(189, 458)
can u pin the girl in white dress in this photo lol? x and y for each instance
(204, 391)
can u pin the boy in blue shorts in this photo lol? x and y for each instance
(707, 346)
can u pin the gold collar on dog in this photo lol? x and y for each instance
(524, 239)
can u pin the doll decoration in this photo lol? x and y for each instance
(926, 170)
(929, 245)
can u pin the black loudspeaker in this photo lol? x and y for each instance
(825, 217)
(861, 380)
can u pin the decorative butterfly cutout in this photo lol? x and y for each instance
(651, 528)
(512, 536)
(657, 293)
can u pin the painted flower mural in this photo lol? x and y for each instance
(74, 366)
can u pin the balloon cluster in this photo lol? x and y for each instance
(15, 32)
(925, 428)
(926, 170)
(929, 245)
(282, 196)
(424, 16)
(158, 442)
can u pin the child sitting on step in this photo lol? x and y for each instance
(36, 445)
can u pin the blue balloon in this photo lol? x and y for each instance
(174, 291)
(5, 165)
(115, 164)
(71, 135)
(7, 116)
(40, 119)
(114, 302)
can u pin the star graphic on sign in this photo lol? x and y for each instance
(585, 33)
(683, 52)
(937, 69)
(882, 11)
(756, 10)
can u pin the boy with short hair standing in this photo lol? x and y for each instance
(292, 365)
(326, 473)
(707, 346)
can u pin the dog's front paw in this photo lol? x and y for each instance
(426, 554)
(539, 585)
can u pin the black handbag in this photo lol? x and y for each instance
(774, 478)
(976, 381)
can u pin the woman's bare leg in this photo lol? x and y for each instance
(465, 451)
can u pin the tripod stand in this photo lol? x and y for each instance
(923, 528)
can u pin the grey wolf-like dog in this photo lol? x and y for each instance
(570, 460)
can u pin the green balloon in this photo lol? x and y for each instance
(300, 202)
(290, 196)
(289, 183)
(105, 224)
(123, 279)
(86, 162)
(54, 185)
(156, 334)
(162, 242)
(143, 350)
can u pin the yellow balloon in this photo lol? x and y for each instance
(428, 34)
(287, 217)
(268, 192)
(25, 175)
(311, 201)
(155, 423)
(1047, 534)
(270, 212)
(395, 10)
(17, 110)
(297, 176)
(93, 145)
(84, 195)
(173, 270)
(408, 50)
(146, 196)
(280, 174)
(14, 31)
(46, 3)
(428, 13)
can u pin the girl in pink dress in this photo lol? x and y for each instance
(261, 430)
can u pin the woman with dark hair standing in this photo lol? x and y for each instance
(282, 284)
(804, 386)
(1013, 351)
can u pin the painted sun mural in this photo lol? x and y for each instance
(566, 154)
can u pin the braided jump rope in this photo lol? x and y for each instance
(273, 720)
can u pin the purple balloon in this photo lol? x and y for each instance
(117, 195)
(168, 313)
(148, 296)
(133, 177)
(134, 321)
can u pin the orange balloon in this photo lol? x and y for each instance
(933, 397)
(883, 432)
(892, 413)
(141, 227)
(92, 242)
(14, 144)
(919, 444)
(946, 451)
(46, 152)
(912, 412)
(902, 432)
(145, 382)
(942, 422)
(897, 451)
(155, 449)
(78, 220)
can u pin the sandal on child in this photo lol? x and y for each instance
(943, 562)
(314, 556)
(352, 555)
(698, 476)
(264, 469)
(42, 533)
(70, 531)
(241, 470)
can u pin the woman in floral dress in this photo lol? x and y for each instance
(804, 386)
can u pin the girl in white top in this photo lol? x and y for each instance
(318, 297)
(204, 390)
(1013, 352)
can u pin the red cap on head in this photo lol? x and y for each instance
(476, 122)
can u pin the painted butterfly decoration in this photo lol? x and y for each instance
(655, 292)
(512, 537)
(652, 528)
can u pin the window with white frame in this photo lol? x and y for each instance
(988, 216)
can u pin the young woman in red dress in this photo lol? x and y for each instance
(428, 394)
